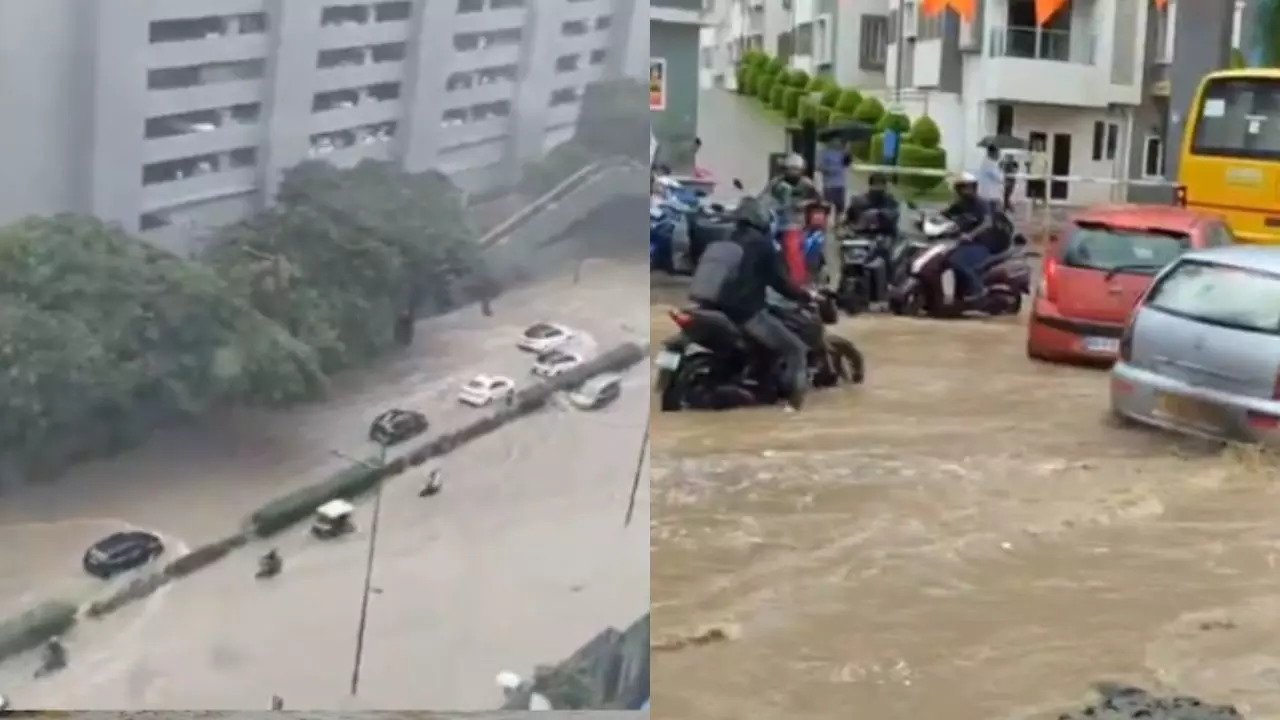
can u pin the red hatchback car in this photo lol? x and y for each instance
(1095, 273)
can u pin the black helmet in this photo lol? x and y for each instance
(752, 213)
(877, 179)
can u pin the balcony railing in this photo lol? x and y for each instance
(1034, 44)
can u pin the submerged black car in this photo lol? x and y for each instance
(396, 426)
(120, 552)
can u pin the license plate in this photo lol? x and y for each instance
(668, 360)
(1102, 345)
(1186, 410)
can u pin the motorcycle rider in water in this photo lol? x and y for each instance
(979, 241)
(744, 300)
(793, 188)
(876, 210)
(55, 655)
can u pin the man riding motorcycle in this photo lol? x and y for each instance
(980, 241)
(875, 211)
(740, 292)
(793, 188)
(55, 657)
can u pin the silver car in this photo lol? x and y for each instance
(1201, 354)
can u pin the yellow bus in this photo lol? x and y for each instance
(1230, 162)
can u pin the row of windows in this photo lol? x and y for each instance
(578, 28)
(201, 121)
(570, 63)
(467, 42)
(467, 7)
(484, 76)
(183, 168)
(352, 97)
(324, 143)
(188, 76)
(476, 113)
(339, 15)
(209, 26)
(355, 56)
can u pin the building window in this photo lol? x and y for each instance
(564, 96)
(573, 28)
(603, 22)
(467, 7)
(598, 56)
(392, 11)
(874, 42)
(189, 76)
(351, 97)
(893, 26)
(475, 113)
(1106, 138)
(210, 26)
(324, 143)
(567, 63)
(804, 39)
(201, 121)
(339, 15)
(467, 42)
(184, 168)
(1152, 157)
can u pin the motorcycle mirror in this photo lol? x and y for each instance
(737, 184)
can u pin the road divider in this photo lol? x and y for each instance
(55, 617)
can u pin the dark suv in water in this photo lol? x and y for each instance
(122, 551)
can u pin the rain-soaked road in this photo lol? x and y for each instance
(521, 559)
(967, 536)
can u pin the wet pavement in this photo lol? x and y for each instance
(521, 558)
(966, 536)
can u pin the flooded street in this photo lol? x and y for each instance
(966, 536)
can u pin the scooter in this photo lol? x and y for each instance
(931, 286)
(711, 365)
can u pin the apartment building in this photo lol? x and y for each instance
(845, 40)
(674, 27)
(170, 116)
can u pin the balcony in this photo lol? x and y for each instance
(213, 49)
(489, 20)
(480, 93)
(223, 139)
(225, 94)
(1050, 67)
(367, 112)
(490, 56)
(477, 131)
(369, 33)
(199, 188)
(351, 76)
(352, 155)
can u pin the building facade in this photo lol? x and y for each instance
(169, 116)
(847, 41)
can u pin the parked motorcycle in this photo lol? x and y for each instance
(711, 364)
(931, 288)
(681, 226)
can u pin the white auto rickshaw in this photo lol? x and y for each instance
(333, 519)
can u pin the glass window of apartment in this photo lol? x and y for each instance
(338, 15)
(506, 4)
(873, 44)
(603, 22)
(498, 73)
(184, 29)
(564, 96)
(574, 28)
(189, 76)
(567, 63)
(392, 11)
(389, 52)
(341, 57)
(467, 7)
(598, 57)
(491, 111)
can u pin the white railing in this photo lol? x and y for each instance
(1031, 43)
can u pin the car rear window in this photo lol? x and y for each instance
(1106, 248)
(554, 357)
(1220, 295)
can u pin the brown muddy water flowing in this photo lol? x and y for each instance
(965, 537)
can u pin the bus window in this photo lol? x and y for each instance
(1239, 117)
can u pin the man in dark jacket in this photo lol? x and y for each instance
(743, 297)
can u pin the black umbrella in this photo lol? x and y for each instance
(849, 132)
(1003, 142)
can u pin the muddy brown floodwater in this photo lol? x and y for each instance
(966, 537)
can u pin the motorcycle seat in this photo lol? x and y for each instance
(998, 258)
(721, 331)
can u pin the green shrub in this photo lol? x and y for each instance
(776, 95)
(869, 111)
(765, 89)
(894, 121)
(917, 156)
(823, 116)
(283, 512)
(791, 102)
(848, 102)
(925, 132)
(875, 149)
(831, 95)
(798, 79)
(745, 76)
(35, 626)
(775, 65)
(808, 110)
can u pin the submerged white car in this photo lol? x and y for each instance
(552, 363)
(597, 392)
(541, 337)
(484, 389)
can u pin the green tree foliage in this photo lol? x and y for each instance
(104, 338)
(345, 253)
(849, 102)
(869, 111)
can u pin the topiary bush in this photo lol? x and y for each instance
(808, 110)
(925, 132)
(791, 102)
(894, 121)
(777, 95)
(798, 79)
(848, 103)
(911, 155)
(823, 116)
(831, 96)
(869, 111)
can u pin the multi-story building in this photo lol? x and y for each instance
(1074, 85)
(847, 41)
(168, 116)
(674, 27)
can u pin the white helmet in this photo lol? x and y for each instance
(793, 161)
(965, 178)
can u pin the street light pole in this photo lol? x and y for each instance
(363, 622)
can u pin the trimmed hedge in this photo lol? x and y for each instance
(284, 512)
(34, 627)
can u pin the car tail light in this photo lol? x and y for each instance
(681, 318)
(1049, 278)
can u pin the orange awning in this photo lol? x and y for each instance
(932, 7)
(966, 9)
(1046, 9)
(1162, 4)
